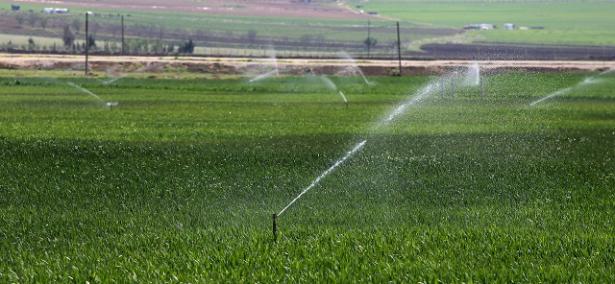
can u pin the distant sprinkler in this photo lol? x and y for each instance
(112, 105)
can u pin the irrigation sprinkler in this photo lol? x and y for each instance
(112, 105)
(275, 227)
(419, 96)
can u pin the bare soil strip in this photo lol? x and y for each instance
(221, 65)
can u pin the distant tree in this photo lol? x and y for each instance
(68, 37)
(370, 42)
(187, 47)
(76, 25)
(170, 48)
(31, 44)
(113, 47)
(91, 41)
(32, 18)
(20, 18)
(107, 48)
(145, 47)
(43, 21)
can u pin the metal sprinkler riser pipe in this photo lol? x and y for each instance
(275, 227)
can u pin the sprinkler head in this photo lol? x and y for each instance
(112, 104)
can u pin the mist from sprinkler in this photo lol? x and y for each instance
(565, 91)
(343, 97)
(473, 75)
(354, 67)
(92, 94)
(273, 73)
(468, 79)
(333, 87)
(114, 79)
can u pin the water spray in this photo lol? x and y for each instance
(343, 98)
(110, 105)
(114, 79)
(354, 67)
(264, 76)
(328, 83)
(273, 73)
(587, 81)
(314, 183)
(331, 86)
(421, 95)
(85, 91)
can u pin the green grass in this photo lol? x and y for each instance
(277, 27)
(178, 183)
(565, 22)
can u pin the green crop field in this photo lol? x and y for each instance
(564, 22)
(179, 181)
(559, 22)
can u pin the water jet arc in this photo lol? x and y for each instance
(314, 183)
(471, 78)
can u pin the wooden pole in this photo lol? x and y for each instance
(369, 38)
(123, 38)
(87, 42)
(399, 49)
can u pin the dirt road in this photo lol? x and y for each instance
(219, 65)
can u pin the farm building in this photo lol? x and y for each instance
(55, 10)
(509, 26)
(479, 27)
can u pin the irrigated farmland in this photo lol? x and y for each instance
(505, 178)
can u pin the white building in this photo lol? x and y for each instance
(487, 26)
(509, 26)
(55, 10)
(479, 27)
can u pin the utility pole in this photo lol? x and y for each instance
(87, 42)
(398, 48)
(123, 38)
(369, 37)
